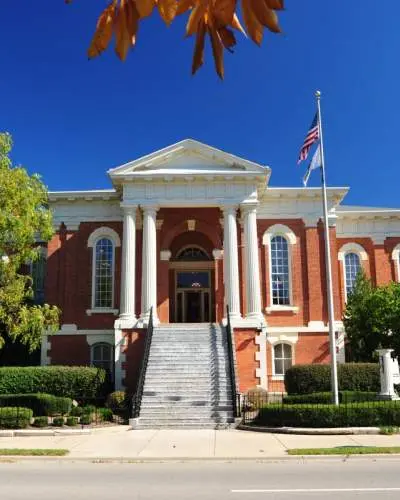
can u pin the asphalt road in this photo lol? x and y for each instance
(328, 479)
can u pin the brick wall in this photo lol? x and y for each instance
(69, 350)
(246, 349)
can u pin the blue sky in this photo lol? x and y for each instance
(72, 119)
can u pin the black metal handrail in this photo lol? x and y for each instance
(137, 399)
(231, 351)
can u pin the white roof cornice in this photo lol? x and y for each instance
(95, 194)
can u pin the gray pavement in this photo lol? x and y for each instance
(282, 480)
(123, 443)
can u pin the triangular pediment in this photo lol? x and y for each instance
(188, 157)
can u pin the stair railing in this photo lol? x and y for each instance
(231, 356)
(137, 398)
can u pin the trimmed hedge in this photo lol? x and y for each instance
(15, 418)
(72, 421)
(377, 413)
(307, 379)
(40, 404)
(58, 421)
(41, 422)
(68, 381)
(326, 397)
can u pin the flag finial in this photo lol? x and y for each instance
(317, 94)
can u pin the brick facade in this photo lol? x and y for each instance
(188, 201)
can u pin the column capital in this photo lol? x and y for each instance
(149, 207)
(249, 207)
(217, 254)
(128, 209)
(230, 208)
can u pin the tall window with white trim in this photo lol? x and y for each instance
(283, 358)
(352, 267)
(103, 274)
(280, 276)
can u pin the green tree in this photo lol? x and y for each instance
(372, 319)
(24, 220)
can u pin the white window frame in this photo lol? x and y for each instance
(290, 237)
(396, 259)
(278, 376)
(346, 249)
(96, 235)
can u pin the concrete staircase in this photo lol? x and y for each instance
(187, 382)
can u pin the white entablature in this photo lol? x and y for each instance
(190, 173)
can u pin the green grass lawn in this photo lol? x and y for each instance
(345, 450)
(33, 452)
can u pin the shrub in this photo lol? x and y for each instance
(105, 414)
(68, 381)
(86, 419)
(41, 422)
(117, 402)
(15, 418)
(40, 404)
(326, 397)
(307, 379)
(378, 413)
(72, 421)
(58, 421)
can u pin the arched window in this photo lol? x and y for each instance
(192, 254)
(352, 267)
(103, 274)
(283, 358)
(102, 356)
(280, 274)
(103, 240)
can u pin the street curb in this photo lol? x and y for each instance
(330, 431)
(145, 460)
(47, 432)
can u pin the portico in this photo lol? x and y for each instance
(194, 182)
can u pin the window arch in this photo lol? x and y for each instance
(102, 356)
(282, 358)
(352, 255)
(192, 253)
(103, 240)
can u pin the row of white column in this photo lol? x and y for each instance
(231, 263)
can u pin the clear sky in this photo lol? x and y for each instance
(72, 119)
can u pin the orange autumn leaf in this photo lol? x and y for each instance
(217, 18)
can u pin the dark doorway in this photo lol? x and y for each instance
(193, 307)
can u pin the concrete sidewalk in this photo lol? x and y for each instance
(123, 443)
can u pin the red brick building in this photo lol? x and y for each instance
(190, 229)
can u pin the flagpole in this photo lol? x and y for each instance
(329, 291)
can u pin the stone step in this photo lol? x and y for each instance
(184, 420)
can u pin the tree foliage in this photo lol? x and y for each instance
(372, 319)
(217, 19)
(24, 220)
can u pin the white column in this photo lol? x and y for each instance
(149, 263)
(231, 262)
(128, 272)
(252, 268)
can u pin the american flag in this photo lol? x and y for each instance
(311, 137)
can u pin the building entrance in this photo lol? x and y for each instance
(193, 294)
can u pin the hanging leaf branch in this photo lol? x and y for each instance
(217, 19)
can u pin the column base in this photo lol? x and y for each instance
(125, 321)
(247, 322)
